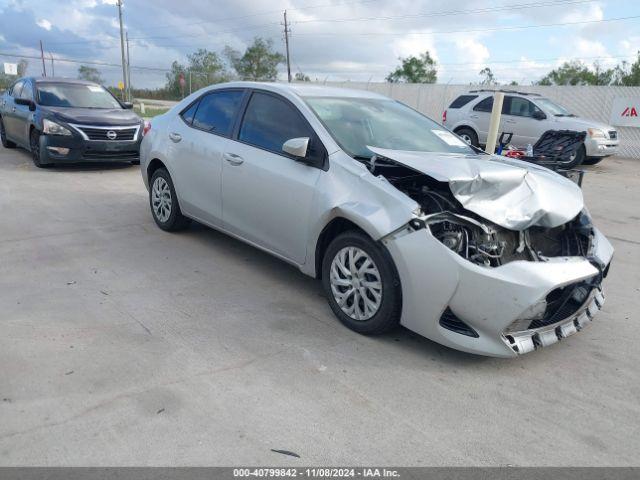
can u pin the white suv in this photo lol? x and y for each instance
(527, 116)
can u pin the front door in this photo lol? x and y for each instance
(9, 115)
(267, 195)
(519, 118)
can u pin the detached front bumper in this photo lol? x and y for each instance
(479, 309)
(81, 150)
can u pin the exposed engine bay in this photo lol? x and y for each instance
(473, 237)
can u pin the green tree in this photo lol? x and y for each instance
(259, 61)
(90, 74)
(488, 79)
(576, 72)
(627, 75)
(301, 77)
(204, 68)
(420, 69)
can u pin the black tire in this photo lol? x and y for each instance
(592, 160)
(3, 137)
(175, 220)
(388, 313)
(34, 146)
(468, 135)
(577, 159)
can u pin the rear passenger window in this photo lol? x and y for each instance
(187, 115)
(270, 121)
(216, 111)
(485, 105)
(462, 100)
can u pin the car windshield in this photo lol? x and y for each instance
(356, 123)
(553, 108)
(75, 96)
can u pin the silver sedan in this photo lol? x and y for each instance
(402, 221)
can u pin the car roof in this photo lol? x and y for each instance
(489, 91)
(74, 81)
(304, 90)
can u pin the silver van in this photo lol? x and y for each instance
(527, 116)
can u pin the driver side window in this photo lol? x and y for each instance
(27, 92)
(520, 107)
(269, 122)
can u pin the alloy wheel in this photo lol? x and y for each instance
(161, 199)
(356, 283)
(466, 138)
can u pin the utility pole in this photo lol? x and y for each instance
(128, 70)
(53, 68)
(287, 31)
(124, 65)
(44, 68)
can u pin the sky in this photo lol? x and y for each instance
(332, 40)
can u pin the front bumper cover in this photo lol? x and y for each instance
(81, 150)
(489, 300)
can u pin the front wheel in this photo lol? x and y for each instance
(164, 203)
(36, 153)
(576, 159)
(362, 284)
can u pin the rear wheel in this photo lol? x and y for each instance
(592, 160)
(468, 135)
(164, 203)
(362, 284)
(34, 145)
(3, 137)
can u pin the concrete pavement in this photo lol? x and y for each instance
(121, 344)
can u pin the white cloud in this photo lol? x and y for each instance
(44, 23)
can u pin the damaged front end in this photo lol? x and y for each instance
(543, 267)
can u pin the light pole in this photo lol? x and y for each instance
(124, 64)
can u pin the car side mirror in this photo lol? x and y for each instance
(539, 115)
(127, 105)
(297, 147)
(25, 101)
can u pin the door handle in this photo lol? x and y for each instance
(509, 121)
(233, 159)
(473, 116)
(175, 137)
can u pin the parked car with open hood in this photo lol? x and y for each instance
(403, 221)
(62, 120)
(527, 116)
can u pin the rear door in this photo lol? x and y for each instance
(518, 118)
(267, 194)
(198, 137)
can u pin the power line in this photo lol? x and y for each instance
(86, 62)
(496, 29)
(246, 27)
(452, 12)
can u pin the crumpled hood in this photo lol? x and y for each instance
(511, 193)
(94, 116)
